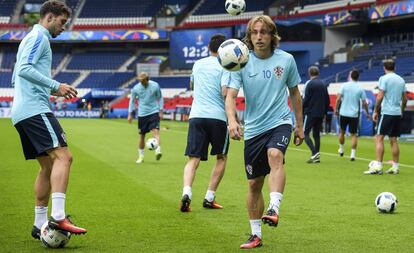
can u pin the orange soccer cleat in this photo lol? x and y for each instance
(66, 225)
(253, 242)
(271, 218)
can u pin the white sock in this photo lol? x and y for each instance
(187, 190)
(275, 199)
(341, 148)
(256, 226)
(40, 216)
(141, 152)
(353, 153)
(395, 165)
(58, 205)
(379, 163)
(158, 150)
(210, 195)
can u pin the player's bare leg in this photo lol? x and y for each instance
(188, 179)
(354, 144)
(379, 147)
(215, 179)
(59, 177)
(255, 208)
(141, 146)
(395, 156)
(42, 189)
(375, 167)
(277, 181)
(156, 135)
(341, 142)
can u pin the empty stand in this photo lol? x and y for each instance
(5, 79)
(106, 80)
(98, 60)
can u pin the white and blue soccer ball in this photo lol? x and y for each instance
(53, 238)
(235, 7)
(233, 54)
(152, 144)
(386, 202)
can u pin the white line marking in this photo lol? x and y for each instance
(302, 150)
(357, 158)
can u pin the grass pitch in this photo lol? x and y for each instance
(327, 207)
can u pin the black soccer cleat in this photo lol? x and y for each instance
(211, 204)
(185, 204)
(158, 156)
(35, 233)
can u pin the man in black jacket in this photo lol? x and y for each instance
(315, 106)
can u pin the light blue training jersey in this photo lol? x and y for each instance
(351, 95)
(208, 78)
(393, 86)
(265, 83)
(150, 100)
(32, 76)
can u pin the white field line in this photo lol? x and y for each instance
(301, 150)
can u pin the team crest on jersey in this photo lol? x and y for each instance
(249, 169)
(278, 72)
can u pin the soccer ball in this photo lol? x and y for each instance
(53, 238)
(386, 202)
(235, 7)
(233, 54)
(152, 143)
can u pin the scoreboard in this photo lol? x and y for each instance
(188, 46)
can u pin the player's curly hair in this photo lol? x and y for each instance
(269, 23)
(55, 7)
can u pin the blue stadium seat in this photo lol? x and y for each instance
(5, 79)
(66, 77)
(106, 80)
(98, 60)
(7, 7)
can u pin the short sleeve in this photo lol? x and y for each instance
(341, 90)
(235, 80)
(363, 95)
(225, 78)
(293, 78)
(382, 84)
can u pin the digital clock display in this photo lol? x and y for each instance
(188, 46)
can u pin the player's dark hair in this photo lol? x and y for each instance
(269, 23)
(355, 74)
(55, 7)
(216, 41)
(389, 64)
(313, 71)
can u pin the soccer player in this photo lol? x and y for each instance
(41, 135)
(269, 73)
(347, 107)
(208, 124)
(392, 99)
(315, 107)
(150, 110)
